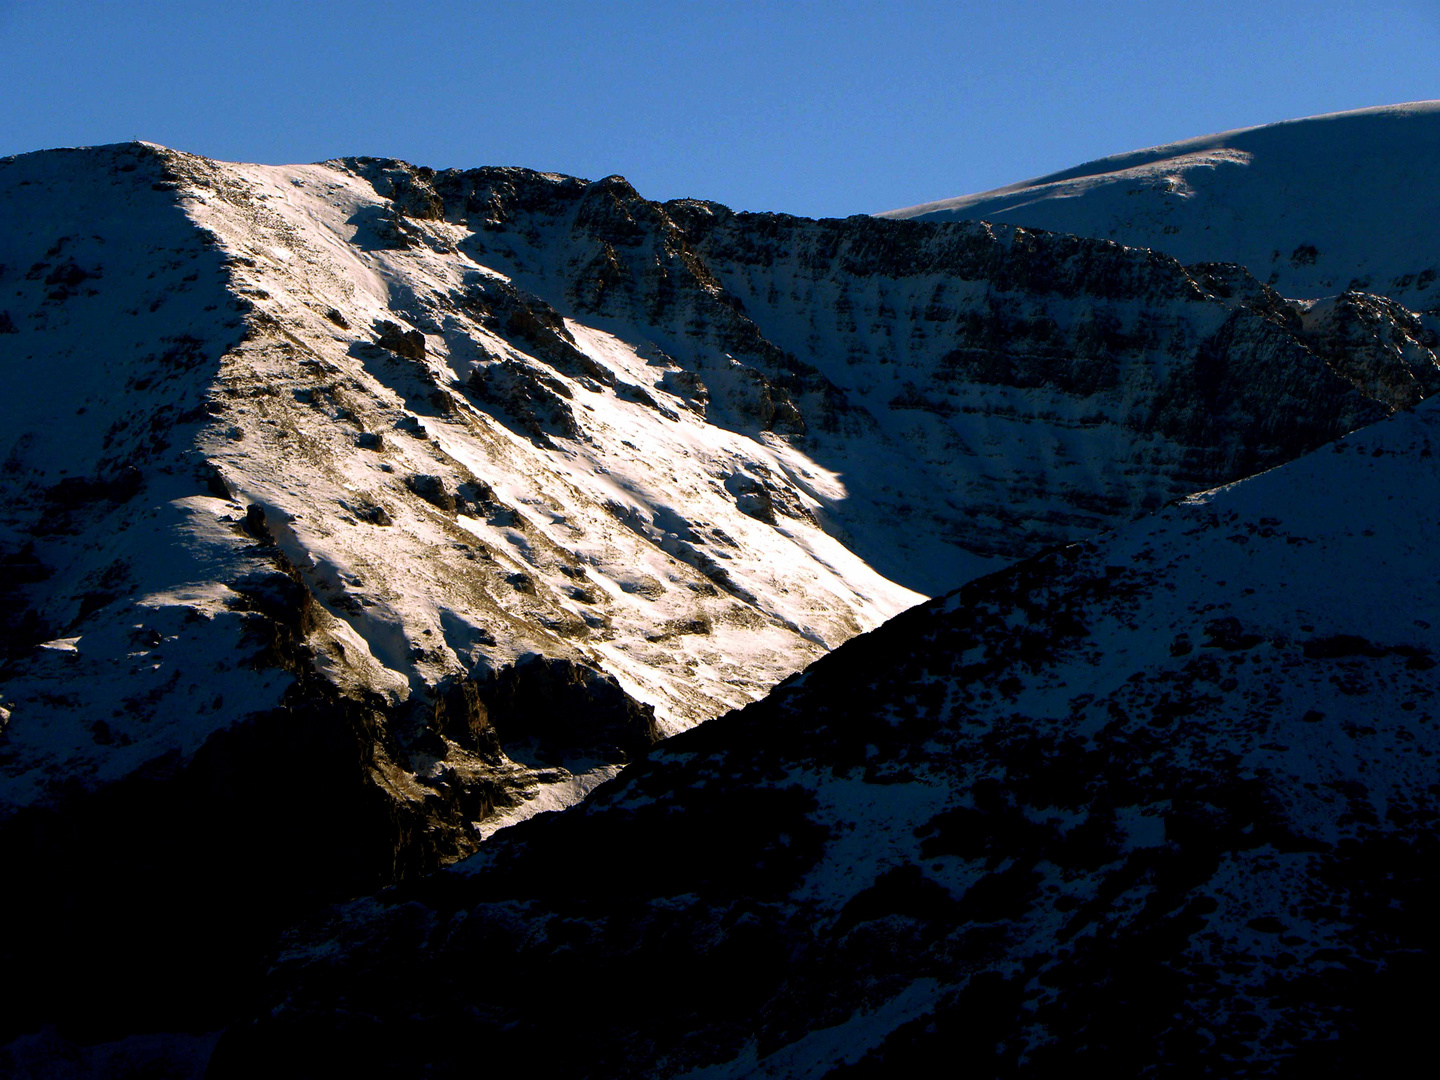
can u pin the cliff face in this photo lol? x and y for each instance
(1036, 387)
(356, 510)
(1008, 364)
(1159, 801)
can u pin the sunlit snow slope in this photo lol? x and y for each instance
(158, 386)
(296, 596)
(1313, 206)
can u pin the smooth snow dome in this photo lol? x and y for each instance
(1313, 206)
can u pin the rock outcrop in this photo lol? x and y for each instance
(1387, 352)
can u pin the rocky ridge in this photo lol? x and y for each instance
(944, 346)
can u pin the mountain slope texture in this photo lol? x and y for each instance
(355, 512)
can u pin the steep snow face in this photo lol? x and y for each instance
(118, 314)
(1312, 206)
(1162, 799)
(190, 339)
(293, 490)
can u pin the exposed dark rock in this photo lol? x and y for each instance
(534, 325)
(411, 426)
(687, 386)
(254, 524)
(374, 514)
(67, 274)
(1380, 347)
(407, 343)
(537, 402)
(21, 567)
(475, 498)
(65, 280)
(77, 491)
(567, 709)
(432, 489)
(21, 626)
(410, 189)
(752, 497)
(214, 481)
(1230, 635)
(461, 716)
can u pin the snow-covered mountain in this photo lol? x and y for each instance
(1161, 803)
(1313, 207)
(1036, 387)
(339, 597)
(355, 510)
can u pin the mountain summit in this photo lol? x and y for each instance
(1312, 207)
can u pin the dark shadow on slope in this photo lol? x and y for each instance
(1128, 892)
(550, 711)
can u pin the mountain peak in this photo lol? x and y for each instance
(1313, 206)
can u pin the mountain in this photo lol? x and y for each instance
(1313, 207)
(356, 510)
(948, 348)
(1162, 802)
(300, 601)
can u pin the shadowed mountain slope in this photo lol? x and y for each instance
(1160, 802)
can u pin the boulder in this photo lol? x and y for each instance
(407, 343)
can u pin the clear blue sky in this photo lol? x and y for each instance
(812, 108)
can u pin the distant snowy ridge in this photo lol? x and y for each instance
(1312, 206)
